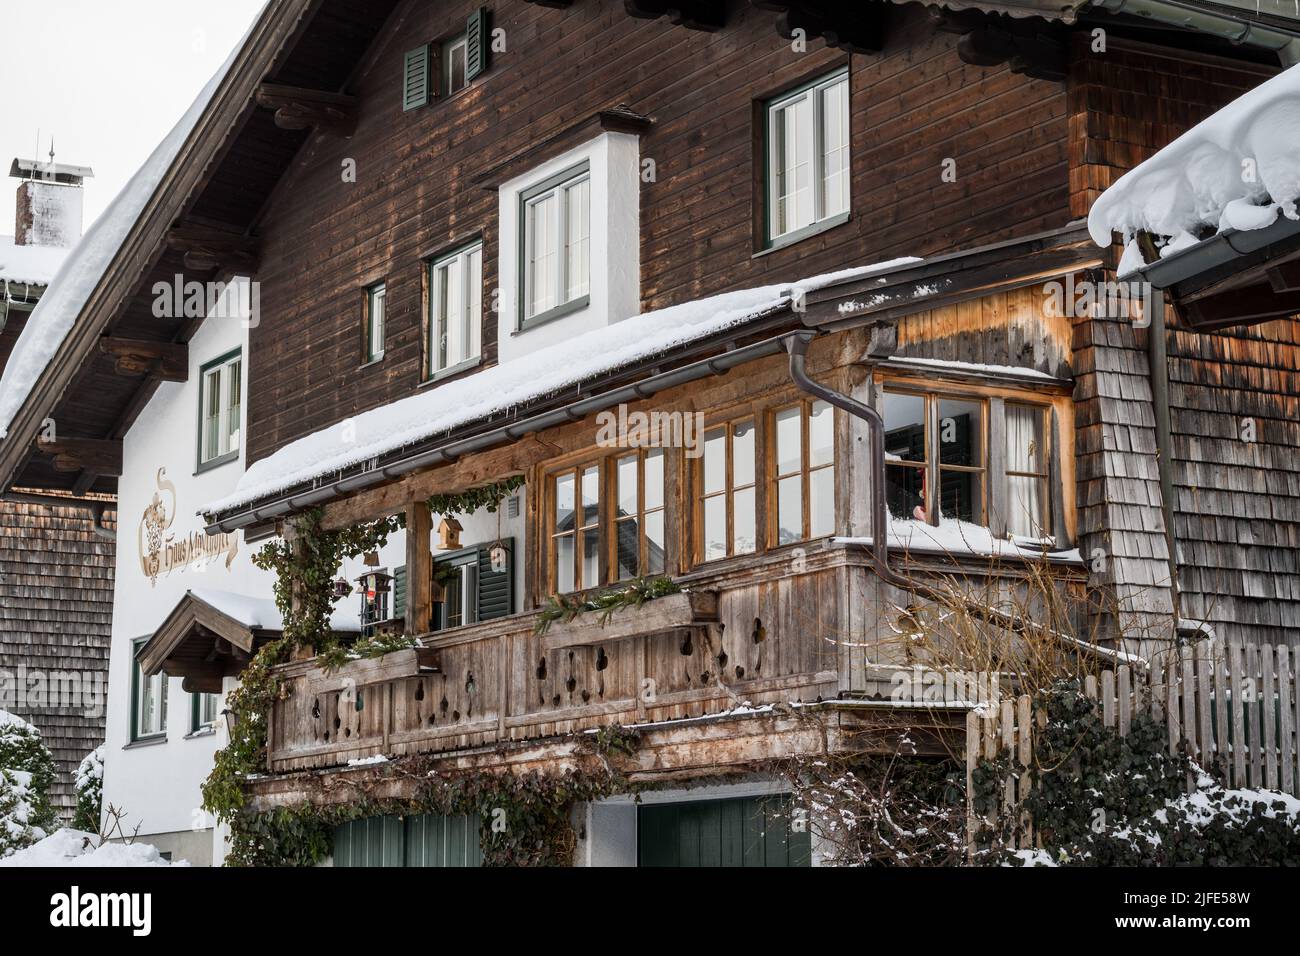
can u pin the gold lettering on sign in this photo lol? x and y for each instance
(162, 552)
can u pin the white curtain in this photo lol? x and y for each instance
(1025, 454)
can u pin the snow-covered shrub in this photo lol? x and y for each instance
(90, 790)
(28, 773)
(76, 848)
(1105, 800)
(19, 812)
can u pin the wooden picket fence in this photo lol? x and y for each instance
(1237, 712)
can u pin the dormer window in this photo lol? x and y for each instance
(556, 217)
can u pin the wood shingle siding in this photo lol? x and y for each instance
(56, 611)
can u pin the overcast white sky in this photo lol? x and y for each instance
(107, 79)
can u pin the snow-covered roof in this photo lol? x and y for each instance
(1239, 169)
(502, 388)
(74, 282)
(32, 265)
(261, 613)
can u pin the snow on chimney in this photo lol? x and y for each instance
(49, 202)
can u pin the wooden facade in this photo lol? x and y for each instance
(977, 166)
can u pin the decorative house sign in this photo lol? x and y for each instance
(162, 552)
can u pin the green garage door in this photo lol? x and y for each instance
(750, 831)
(425, 840)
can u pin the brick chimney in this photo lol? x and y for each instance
(49, 203)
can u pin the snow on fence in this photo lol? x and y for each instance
(1235, 710)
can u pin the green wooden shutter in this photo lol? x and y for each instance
(399, 592)
(751, 831)
(415, 78)
(496, 591)
(476, 40)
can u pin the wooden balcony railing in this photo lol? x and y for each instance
(679, 656)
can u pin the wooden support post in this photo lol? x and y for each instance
(419, 568)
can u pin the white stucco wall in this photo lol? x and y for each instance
(614, 160)
(157, 784)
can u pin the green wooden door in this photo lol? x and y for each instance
(748, 831)
(424, 840)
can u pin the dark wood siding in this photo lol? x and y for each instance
(912, 106)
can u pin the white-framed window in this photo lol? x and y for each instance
(376, 298)
(220, 401)
(149, 700)
(455, 54)
(456, 309)
(807, 157)
(555, 228)
(203, 711)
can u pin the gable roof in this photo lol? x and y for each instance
(213, 172)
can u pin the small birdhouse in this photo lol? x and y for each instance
(449, 534)
(342, 588)
(499, 557)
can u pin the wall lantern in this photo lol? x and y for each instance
(232, 722)
(342, 588)
(449, 534)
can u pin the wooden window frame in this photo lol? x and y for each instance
(459, 254)
(556, 185)
(606, 461)
(699, 497)
(821, 221)
(445, 49)
(773, 477)
(1044, 478)
(643, 546)
(137, 681)
(369, 354)
(995, 485)
(932, 468)
(219, 364)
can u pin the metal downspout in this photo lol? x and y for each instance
(1157, 358)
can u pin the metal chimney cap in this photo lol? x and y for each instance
(50, 172)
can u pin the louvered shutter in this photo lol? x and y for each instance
(399, 592)
(496, 592)
(415, 78)
(476, 39)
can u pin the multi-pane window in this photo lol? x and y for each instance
(803, 481)
(460, 590)
(606, 521)
(220, 396)
(1028, 511)
(203, 711)
(935, 442)
(639, 540)
(456, 306)
(149, 703)
(556, 247)
(373, 328)
(728, 520)
(808, 156)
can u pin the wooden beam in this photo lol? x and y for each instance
(419, 568)
(84, 454)
(207, 248)
(706, 15)
(1247, 306)
(1284, 277)
(297, 108)
(480, 469)
(859, 27)
(165, 361)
